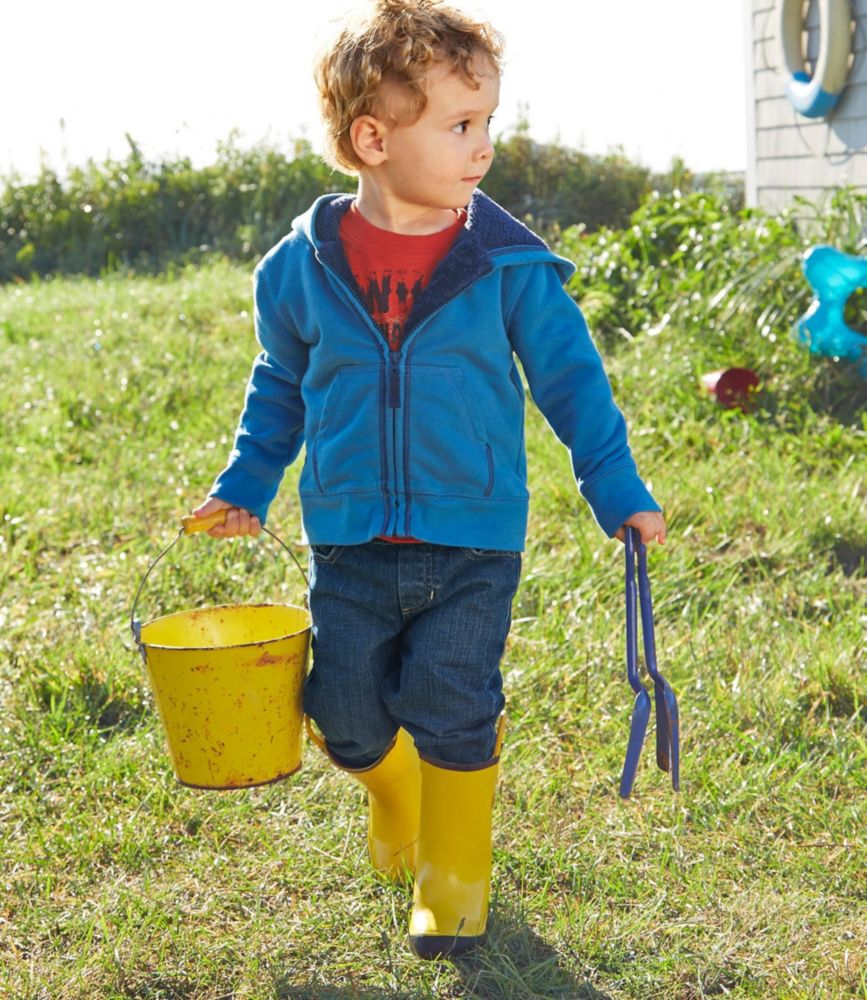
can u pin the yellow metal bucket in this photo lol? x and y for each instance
(228, 683)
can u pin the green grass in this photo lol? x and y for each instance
(118, 400)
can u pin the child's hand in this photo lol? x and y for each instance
(650, 524)
(238, 520)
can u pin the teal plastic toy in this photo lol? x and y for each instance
(834, 276)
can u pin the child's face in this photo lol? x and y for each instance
(438, 160)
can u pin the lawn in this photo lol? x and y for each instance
(119, 397)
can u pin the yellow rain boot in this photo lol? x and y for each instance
(393, 786)
(453, 862)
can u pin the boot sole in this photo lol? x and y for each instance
(430, 946)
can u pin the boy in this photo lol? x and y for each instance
(389, 325)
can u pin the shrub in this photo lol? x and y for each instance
(711, 287)
(134, 214)
(140, 215)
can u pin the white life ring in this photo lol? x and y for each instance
(815, 96)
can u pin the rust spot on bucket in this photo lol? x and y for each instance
(266, 659)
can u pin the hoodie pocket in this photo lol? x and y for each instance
(448, 449)
(345, 454)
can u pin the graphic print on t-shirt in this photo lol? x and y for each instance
(389, 297)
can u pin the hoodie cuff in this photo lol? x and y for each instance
(243, 486)
(615, 497)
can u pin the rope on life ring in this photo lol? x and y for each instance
(815, 96)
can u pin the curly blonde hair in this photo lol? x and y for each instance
(394, 41)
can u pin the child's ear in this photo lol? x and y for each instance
(367, 135)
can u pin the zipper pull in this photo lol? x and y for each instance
(394, 380)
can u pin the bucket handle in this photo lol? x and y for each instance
(189, 525)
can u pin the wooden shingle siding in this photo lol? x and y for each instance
(789, 154)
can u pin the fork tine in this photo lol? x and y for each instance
(637, 730)
(667, 717)
(663, 728)
(674, 720)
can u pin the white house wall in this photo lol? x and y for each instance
(788, 153)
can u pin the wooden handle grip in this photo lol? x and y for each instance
(191, 523)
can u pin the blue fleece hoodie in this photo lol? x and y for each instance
(427, 441)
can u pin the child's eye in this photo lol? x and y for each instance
(461, 128)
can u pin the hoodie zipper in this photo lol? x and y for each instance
(393, 403)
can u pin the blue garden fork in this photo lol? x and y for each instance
(667, 717)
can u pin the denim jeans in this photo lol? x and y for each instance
(409, 635)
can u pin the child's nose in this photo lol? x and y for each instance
(485, 150)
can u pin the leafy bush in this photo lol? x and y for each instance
(713, 288)
(554, 186)
(140, 215)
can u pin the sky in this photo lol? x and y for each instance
(658, 80)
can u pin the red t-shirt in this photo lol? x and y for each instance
(390, 270)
